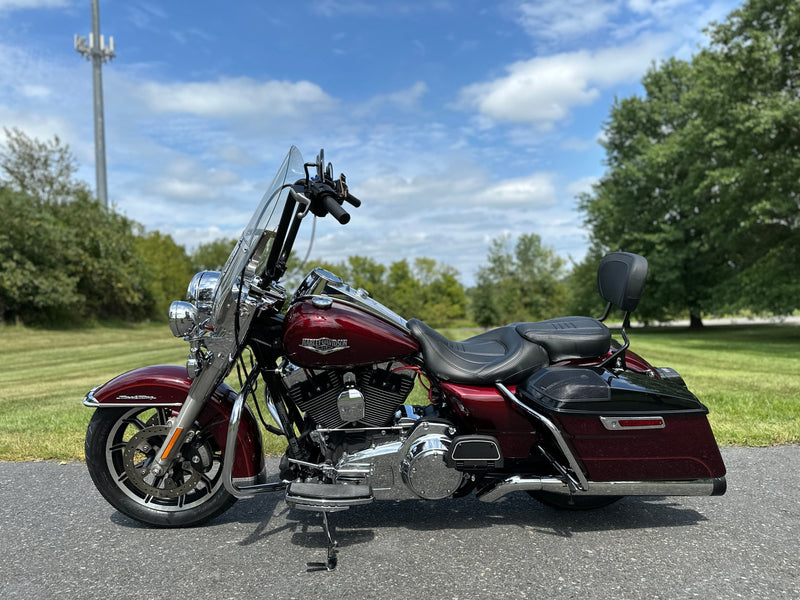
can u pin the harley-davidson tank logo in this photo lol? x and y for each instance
(323, 345)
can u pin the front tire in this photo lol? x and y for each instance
(121, 443)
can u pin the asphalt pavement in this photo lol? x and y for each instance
(60, 539)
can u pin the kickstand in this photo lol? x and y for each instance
(332, 561)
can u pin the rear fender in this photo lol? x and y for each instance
(633, 361)
(168, 386)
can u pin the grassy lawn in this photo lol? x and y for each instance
(749, 377)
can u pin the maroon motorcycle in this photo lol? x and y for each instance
(553, 408)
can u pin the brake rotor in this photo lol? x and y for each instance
(139, 453)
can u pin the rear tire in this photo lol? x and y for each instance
(121, 442)
(570, 502)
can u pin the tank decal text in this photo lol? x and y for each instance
(324, 345)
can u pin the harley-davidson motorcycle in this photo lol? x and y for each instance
(554, 408)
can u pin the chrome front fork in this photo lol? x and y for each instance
(180, 425)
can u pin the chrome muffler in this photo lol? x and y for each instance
(696, 487)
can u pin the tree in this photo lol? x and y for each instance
(750, 103)
(443, 296)
(526, 285)
(649, 202)
(584, 297)
(63, 256)
(211, 256)
(426, 290)
(54, 269)
(111, 277)
(168, 270)
(42, 170)
(33, 280)
(703, 171)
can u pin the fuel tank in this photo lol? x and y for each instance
(332, 333)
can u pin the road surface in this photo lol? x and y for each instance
(60, 539)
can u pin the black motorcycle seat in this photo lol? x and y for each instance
(497, 356)
(568, 337)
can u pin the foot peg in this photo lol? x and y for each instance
(327, 497)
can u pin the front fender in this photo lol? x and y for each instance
(168, 386)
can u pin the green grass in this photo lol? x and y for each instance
(749, 377)
(45, 374)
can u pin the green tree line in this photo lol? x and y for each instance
(423, 289)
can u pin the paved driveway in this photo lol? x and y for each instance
(61, 540)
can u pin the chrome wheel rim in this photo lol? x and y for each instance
(134, 441)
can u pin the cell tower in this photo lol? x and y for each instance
(96, 51)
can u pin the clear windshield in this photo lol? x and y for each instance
(254, 245)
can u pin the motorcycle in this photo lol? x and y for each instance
(554, 408)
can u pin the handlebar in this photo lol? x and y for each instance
(322, 199)
(335, 209)
(352, 199)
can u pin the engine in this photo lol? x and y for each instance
(399, 451)
(412, 465)
(367, 396)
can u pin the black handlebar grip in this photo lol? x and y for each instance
(352, 200)
(335, 209)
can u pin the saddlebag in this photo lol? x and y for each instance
(626, 426)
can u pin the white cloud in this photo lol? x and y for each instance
(35, 91)
(659, 8)
(184, 179)
(582, 185)
(554, 23)
(532, 191)
(543, 90)
(406, 99)
(236, 155)
(556, 19)
(236, 97)
(37, 125)
(335, 8)
(577, 144)
(144, 15)
(460, 186)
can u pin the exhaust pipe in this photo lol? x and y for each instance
(696, 487)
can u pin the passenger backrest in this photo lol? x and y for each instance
(620, 279)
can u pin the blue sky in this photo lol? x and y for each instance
(456, 121)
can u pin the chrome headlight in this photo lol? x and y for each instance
(201, 292)
(182, 318)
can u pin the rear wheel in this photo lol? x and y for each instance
(570, 502)
(122, 442)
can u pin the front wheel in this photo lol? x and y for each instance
(120, 445)
(570, 502)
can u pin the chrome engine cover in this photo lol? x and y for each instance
(406, 468)
(424, 471)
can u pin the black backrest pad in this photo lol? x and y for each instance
(620, 279)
